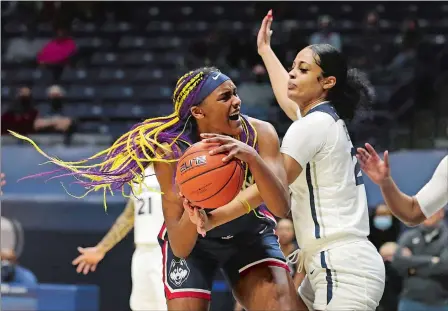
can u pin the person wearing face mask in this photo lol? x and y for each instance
(422, 259)
(21, 116)
(325, 35)
(384, 227)
(384, 231)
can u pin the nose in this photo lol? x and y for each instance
(236, 102)
(292, 74)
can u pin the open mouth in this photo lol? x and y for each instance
(235, 116)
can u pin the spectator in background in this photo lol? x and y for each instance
(256, 95)
(24, 118)
(384, 231)
(11, 271)
(57, 53)
(62, 123)
(286, 239)
(422, 259)
(370, 47)
(384, 227)
(325, 33)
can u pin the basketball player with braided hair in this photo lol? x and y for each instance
(245, 249)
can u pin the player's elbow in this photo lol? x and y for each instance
(281, 207)
(180, 251)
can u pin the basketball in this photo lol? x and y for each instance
(205, 180)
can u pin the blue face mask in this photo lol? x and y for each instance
(382, 222)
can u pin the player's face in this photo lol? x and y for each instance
(305, 79)
(285, 231)
(220, 111)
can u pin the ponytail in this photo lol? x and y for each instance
(147, 142)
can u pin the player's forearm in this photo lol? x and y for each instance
(279, 81)
(401, 205)
(182, 235)
(235, 208)
(273, 191)
(120, 228)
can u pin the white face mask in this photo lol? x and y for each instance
(382, 222)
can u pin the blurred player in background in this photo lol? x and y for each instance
(411, 210)
(144, 213)
(245, 249)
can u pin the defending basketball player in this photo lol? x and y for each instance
(410, 209)
(144, 213)
(246, 249)
(344, 270)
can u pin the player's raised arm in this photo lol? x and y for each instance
(277, 73)
(91, 256)
(410, 209)
(182, 232)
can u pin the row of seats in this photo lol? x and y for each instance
(213, 11)
(198, 28)
(112, 92)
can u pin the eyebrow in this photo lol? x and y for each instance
(226, 90)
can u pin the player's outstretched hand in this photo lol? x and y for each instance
(264, 34)
(233, 147)
(371, 163)
(88, 260)
(197, 216)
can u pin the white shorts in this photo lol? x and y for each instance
(347, 277)
(147, 285)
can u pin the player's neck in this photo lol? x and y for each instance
(203, 128)
(311, 105)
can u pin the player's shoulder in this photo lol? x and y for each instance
(263, 127)
(318, 116)
(314, 122)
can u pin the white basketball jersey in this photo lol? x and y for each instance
(329, 193)
(148, 210)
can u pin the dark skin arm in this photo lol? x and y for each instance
(271, 185)
(182, 232)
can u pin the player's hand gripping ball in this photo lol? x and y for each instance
(209, 180)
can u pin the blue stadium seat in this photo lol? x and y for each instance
(79, 110)
(105, 58)
(139, 58)
(77, 75)
(132, 42)
(77, 92)
(110, 74)
(153, 92)
(93, 43)
(115, 92)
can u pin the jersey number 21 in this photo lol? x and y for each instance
(144, 206)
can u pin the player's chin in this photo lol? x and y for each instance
(233, 128)
(292, 94)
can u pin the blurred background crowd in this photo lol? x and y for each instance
(75, 75)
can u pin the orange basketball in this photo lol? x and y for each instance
(205, 180)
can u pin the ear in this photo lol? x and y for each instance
(329, 82)
(197, 112)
